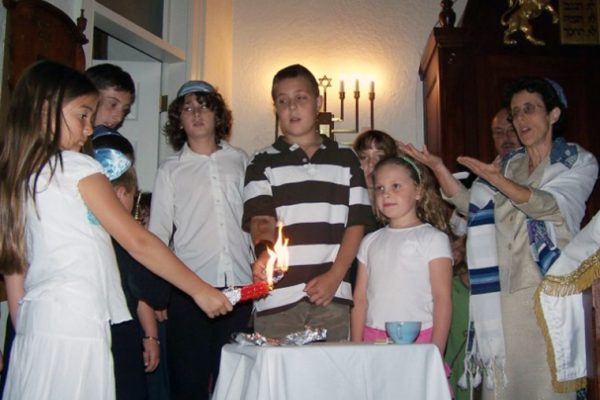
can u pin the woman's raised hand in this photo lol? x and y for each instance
(423, 156)
(449, 185)
(483, 170)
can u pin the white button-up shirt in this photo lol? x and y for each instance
(197, 201)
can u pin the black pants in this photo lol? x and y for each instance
(194, 344)
(127, 350)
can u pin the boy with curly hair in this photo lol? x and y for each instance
(197, 207)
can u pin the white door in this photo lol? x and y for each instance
(142, 125)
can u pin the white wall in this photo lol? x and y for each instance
(218, 55)
(379, 38)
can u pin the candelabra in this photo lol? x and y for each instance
(325, 83)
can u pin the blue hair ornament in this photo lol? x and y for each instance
(114, 163)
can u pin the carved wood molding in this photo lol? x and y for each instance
(38, 30)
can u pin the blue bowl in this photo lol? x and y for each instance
(403, 332)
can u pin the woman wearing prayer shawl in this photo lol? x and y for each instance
(521, 211)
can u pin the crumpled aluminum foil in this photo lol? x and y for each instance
(233, 295)
(308, 335)
(252, 338)
(299, 338)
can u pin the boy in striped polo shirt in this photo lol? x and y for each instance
(317, 189)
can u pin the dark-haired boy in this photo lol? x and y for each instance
(117, 94)
(317, 189)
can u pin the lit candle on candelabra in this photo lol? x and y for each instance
(276, 267)
(356, 86)
(371, 101)
(342, 97)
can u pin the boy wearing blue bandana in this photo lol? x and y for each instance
(135, 344)
(197, 207)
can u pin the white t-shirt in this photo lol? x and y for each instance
(397, 263)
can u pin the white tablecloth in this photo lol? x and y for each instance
(331, 371)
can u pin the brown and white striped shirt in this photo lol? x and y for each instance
(316, 199)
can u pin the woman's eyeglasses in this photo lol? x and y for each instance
(527, 109)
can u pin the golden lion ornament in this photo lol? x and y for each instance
(517, 18)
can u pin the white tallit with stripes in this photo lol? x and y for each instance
(486, 339)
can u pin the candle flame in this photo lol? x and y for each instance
(278, 257)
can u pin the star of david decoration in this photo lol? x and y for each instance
(325, 82)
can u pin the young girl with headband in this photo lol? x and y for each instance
(57, 213)
(405, 268)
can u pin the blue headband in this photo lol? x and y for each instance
(194, 87)
(114, 163)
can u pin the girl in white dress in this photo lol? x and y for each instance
(405, 268)
(57, 213)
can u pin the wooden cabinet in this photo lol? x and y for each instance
(37, 30)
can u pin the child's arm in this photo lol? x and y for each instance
(359, 311)
(320, 289)
(262, 229)
(15, 289)
(440, 276)
(146, 248)
(151, 344)
(161, 315)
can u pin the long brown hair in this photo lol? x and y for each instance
(29, 140)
